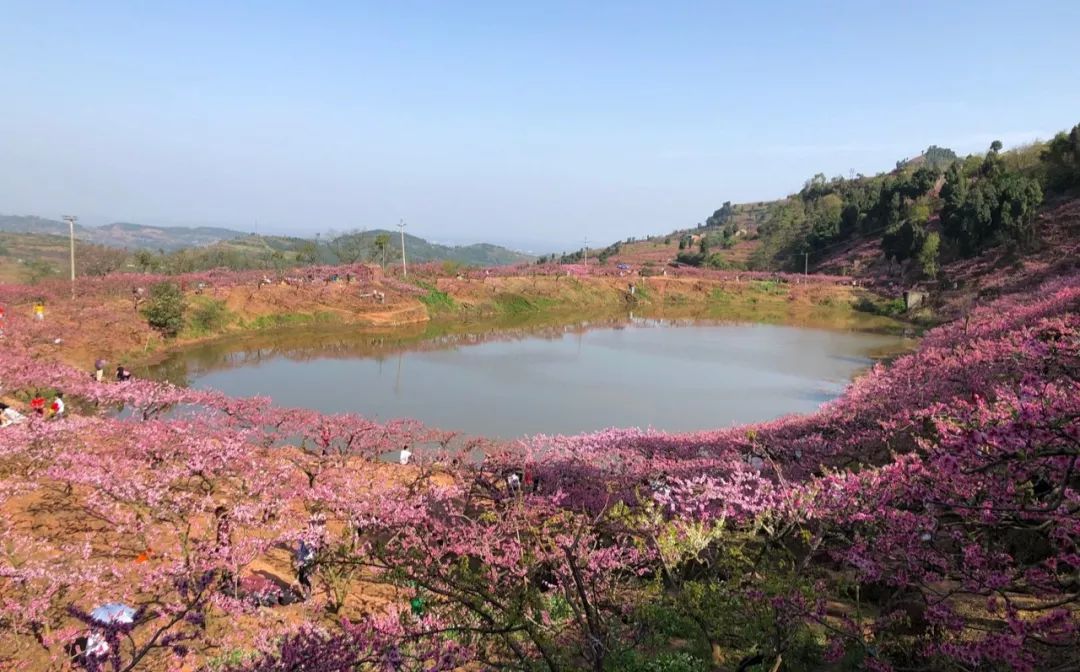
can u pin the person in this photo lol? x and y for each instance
(9, 416)
(305, 563)
(39, 310)
(99, 370)
(513, 482)
(122, 374)
(58, 407)
(96, 646)
(403, 458)
(304, 558)
(37, 404)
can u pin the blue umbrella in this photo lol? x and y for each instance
(113, 612)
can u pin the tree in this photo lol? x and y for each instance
(1019, 199)
(382, 244)
(98, 260)
(903, 240)
(36, 270)
(999, 207)
(349, 248)
(1062, 159)
(165, 309)
(308, 253)
(849, 220)
(146, 262)
(928, 255)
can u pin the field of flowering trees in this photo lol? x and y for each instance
(928, 519)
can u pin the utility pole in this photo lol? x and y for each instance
(806, 263)
(585, 252)
(71, 219)
(404, 268)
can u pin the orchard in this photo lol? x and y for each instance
(927, 519)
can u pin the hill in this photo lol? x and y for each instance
(34, 248)
(373, 244)
(122, 234)
(168, 238)
(917, 223)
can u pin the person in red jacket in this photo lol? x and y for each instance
(37, 405)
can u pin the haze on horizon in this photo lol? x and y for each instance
(526, 124)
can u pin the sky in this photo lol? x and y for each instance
(532, 124)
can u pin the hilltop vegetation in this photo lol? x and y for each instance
(908, 223)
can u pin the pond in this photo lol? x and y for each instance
(672, 375)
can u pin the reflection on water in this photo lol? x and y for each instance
(566, 378)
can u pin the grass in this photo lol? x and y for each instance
(435, 300)
(516, 304)
(769, 287)
(291, 319)
(207, 316)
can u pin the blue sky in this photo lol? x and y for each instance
(528, 123)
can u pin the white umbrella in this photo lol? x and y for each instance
(113, 612)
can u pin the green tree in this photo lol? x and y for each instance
(36, 270)
(928, 255)
(349, 248)
(165, 308)
(308, 253)
(1018, 200)
(849, 220)
(903, 240)
(1061, 157)
(381, 246)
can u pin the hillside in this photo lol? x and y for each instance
(168, 238)
(924, 222)
(33, 249)
(122, 234)
(372, 244)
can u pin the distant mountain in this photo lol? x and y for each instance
(32, 224)
(123, 234)
(365, 246)
(348, 247)
(140, 236)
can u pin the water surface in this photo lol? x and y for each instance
(674, 376)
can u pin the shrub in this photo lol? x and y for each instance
(1062, 158)
(209, 316)
(165, 309)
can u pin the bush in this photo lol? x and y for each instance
(209, 316)
(887, 308)
(165, 309)
(1062, 158)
